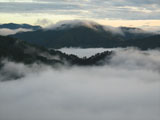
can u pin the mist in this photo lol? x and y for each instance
(85, 52)
(6, 31)
(128, 88)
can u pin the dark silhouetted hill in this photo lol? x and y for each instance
(17, 26)
(19, 51)
(91, 36)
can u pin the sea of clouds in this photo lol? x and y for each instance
(128, 88)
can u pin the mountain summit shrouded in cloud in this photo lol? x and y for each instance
(125, 88)
(80, 60)
(87, 34)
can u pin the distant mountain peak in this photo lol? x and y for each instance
(17, 26)
(72, 24)
(84, 34)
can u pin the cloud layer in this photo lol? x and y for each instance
(6, 31)
(105, 9)
(81, 52)
(126, 89)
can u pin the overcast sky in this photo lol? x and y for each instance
(112, 12)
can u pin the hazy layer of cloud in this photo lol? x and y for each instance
(126, 89)
(87, 52)
(6, 31)
(155, 29)
(110, 9)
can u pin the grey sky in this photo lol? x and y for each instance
(104, 9)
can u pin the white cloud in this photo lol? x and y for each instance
(155, 29)
(127, 89)
(43, 22)
(6, 31)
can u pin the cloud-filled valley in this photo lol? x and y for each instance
(128, 88)
(80, 60)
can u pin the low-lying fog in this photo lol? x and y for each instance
(85, 52)
(126, 89)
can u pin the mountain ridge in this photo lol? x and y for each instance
(20, 51)
(85, 35)
(17, 26)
